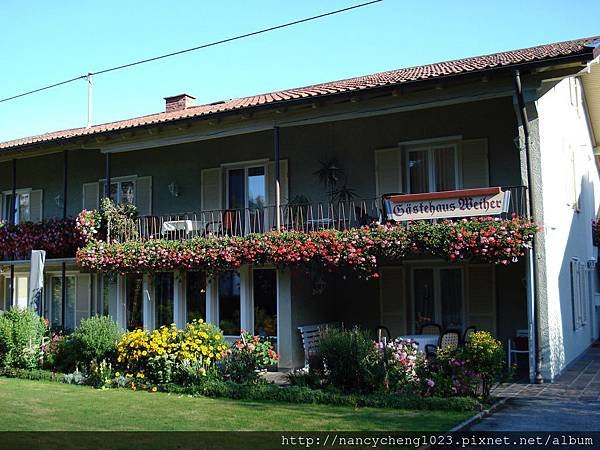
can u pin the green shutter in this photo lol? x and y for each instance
(143, 195)
(388, 171)
(474, 163)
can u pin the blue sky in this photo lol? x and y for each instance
(43, 42)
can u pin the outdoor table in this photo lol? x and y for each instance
(423, 340)
(187, 226)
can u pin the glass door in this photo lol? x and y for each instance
(246, 200)
(134, 301)
(438, 297)
(264, 288)
(57, 320)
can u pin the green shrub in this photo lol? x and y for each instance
(351, 360)
(21, 338)
(485, 356)
(94, 340)
(26, 374)
(247, 357)
(304, 395)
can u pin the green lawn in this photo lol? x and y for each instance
(44, 406)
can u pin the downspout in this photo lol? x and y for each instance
(530, 207)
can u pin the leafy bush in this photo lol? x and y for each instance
(304, 378)
(305, 395)
(469, 370)
(485, 356)
(401, 358)
(351, 361)
(247, 356)
(167, 353)
(95, 339)
(27, 374)
(21, 338)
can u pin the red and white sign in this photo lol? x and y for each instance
(439, 205)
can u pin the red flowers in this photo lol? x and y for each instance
(356, 251)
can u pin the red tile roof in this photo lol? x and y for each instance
(392, 77)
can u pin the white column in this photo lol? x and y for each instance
(246, 300)
(179, 299)
(285, 329)
(212, 300)
(148, 303)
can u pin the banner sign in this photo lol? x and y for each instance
(448, 204)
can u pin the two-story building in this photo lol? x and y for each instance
(322, 156)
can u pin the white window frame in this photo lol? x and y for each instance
(245, 166)
(437, 297)
(48, 293)
(13, 301)
(430, 148)
(581, 295)
(5, 205)
(119, 181)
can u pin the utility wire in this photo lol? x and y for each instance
(211, 44)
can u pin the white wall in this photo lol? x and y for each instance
(571, 194)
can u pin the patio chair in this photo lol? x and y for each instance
(518, 345)
(447, 339)
(431, 328)
(467, 334)
(311, 338)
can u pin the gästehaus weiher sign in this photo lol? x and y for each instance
(439, 205)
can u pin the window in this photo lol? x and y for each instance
(246, 193)
(432, 169)
(134, 301)
(580, 293)
(229, 302)
(164, 292)
(195, 296)
(438, 297)
(56, 302)
(20, 293)
(265, 302)
(23, 207)
(123, 191)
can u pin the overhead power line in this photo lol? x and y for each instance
(199, 47)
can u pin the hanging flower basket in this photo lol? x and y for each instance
(596, 232)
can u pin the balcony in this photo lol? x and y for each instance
(293, 217)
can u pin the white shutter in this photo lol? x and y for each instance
(83, 300)
(211, 195)
(283, 182)
(388, 171)
(91, 196)
(392, 300)
(482, 298)
(474, 163)
(36, 205)
(143, 195)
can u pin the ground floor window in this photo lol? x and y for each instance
(163, 293)
(56, 302)
(134, 301)
(20, 294)
(195, 296)
(265, 302)
(229, 302)
(438, 297)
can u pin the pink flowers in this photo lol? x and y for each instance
(356, 251)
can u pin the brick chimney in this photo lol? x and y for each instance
(178, 102)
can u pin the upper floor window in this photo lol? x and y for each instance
(432, 169)
(27, 208)
(123, 191)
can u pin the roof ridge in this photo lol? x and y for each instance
(358, 83)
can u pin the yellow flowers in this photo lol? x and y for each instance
(198, 342)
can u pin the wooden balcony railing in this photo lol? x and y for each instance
(298, 217)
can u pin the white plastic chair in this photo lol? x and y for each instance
(514, 351)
